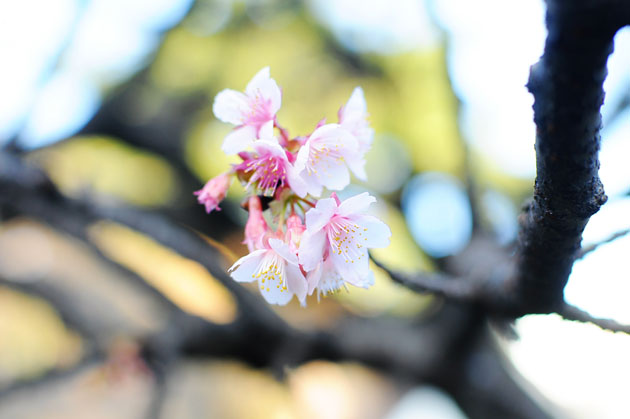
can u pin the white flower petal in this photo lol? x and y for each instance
(356, 204)
(230, 106)
(313, 277)
(239, 139)
(332, 175)
(356, 105)
(318, 217)
(375, 233)
(274, 293)
(296, 182)
(264, 86)
(282, 249)
(296, 283)
(356, 163)
(352, 271)
(266, 131)
(312, 246)
(244, 270)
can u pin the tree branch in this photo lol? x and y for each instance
(457, 289)
(567, 84)
(573, 313)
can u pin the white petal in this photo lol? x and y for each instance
(230, 106)
(313, 185)
(244, 270)
(313, 277)
(356, 163)
(332, 174)
(302, 157)
(374, 232)
(266, 131)
(318, 217)
(356, 105)
(262, 84)
(283, 250)
(269, 146)
(356, 204)
(273, 292)
(296, 283)
(239, 139)
(354, 272)
(312, 246)
(296, 182)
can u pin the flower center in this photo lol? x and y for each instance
(269, 173)
(344, 237)
(270, 273)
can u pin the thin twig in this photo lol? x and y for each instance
(458, 289)
(591, 248)
(573, 313)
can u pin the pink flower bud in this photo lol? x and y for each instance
(214, 192)
(295, 228)
(256, 226)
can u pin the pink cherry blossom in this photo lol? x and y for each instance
(269, 168)
(324, 159)
(214, 192)
(276, 270)
(256, 227)
(353, 117)
(249, 111)
(339, 234)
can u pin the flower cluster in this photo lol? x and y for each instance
(306, 243)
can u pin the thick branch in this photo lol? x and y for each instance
(570, 312)
(567, 87)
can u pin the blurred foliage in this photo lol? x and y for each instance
(27, 325)
(185, 281)
(315, 390)
(109, 167)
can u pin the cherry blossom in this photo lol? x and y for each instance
(276, 270)
(324, 159)
(297, 244)
(214, 192)
(353, 118)
(339, 232)
(269, 168)
(249, 111)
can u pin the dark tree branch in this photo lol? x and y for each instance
(567, 87)
(591, 248)
(570, 312)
